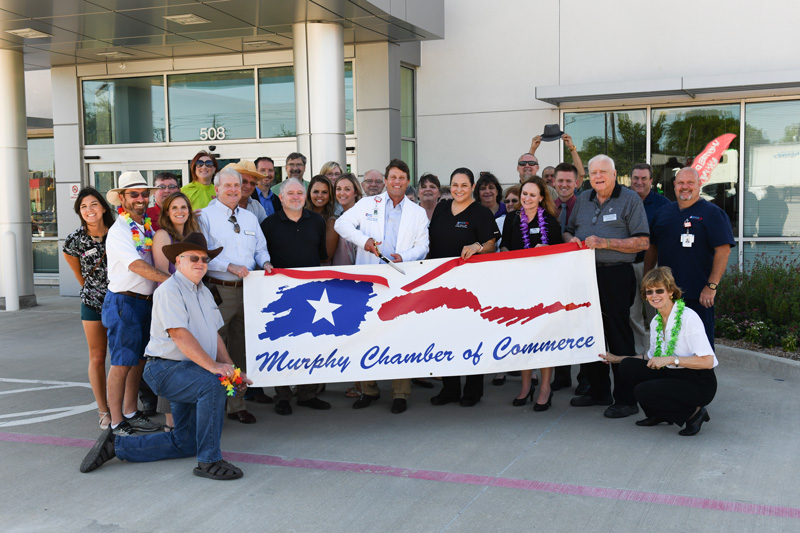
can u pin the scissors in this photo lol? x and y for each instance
(389, 261)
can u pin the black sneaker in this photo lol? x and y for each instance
(621, 411)
(123, 429)
(140, 422)
(102, 451)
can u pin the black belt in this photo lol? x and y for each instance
(151, 357)
(226, 283)
(137, 295)
(606, 265)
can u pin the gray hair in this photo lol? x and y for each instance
(226, 172)
(600, 158)
(689, 170)
(287, 182)
(374, 170)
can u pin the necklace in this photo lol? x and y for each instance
(661, 332)
(142, 246)
(525, 227)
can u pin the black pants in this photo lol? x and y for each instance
(473, 388)
(616, 285)
(671, 393)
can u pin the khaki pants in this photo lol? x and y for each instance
(401, 388)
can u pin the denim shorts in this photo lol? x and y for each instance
(128, 321)
(88, 314)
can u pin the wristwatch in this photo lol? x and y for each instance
(712, 286)
(677, 362)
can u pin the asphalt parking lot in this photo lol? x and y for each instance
(492, 467)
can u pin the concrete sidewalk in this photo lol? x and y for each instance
(492, 467)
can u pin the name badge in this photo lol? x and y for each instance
(533, 231)
(251, 233)
(687, 239)
(610, 218)
(372, 218)
(90, 252)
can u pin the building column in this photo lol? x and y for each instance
(319, 93)
(15, 205)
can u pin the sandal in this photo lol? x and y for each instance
(353, 392)
(105, 419)
(221, 470)
(167, 428)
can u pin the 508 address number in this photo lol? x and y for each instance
(212, 134)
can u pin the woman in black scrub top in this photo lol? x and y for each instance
(461, 227)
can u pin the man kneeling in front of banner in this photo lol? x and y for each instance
(185, 356)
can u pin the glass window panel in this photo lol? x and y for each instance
(212, 106)
(45, 257)
(276, 102)
(407, 110)
(42, 187)
(104, 181)
(753, 251)
(772, 169)
(408, 154)
(621, 135)
(679, 134)
(120, 111)
(349, 106)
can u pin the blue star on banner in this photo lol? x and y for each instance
(330, 307)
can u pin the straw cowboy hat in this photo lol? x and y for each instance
(131, 179)
(194, 242)
(246, 167)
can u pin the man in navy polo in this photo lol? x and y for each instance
(694, 238)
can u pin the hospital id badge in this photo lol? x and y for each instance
(687, 239)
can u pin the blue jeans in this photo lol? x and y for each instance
(198, 404)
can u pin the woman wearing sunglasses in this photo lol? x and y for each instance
(201, 189)
(177, 221)
(674, 380)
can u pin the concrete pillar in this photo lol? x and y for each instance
(377, 86)
(15, 205)
(319, 93)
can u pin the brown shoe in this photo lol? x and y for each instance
(242, 416)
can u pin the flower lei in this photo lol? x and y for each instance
(524, 226)
(231, 384)
(676, 329)
(141, 246)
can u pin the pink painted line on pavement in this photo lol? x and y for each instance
(465, 479)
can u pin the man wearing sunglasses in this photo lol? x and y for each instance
(127, 307)
(185, 356)
(166, 183)
(227, 225)
(611, 220)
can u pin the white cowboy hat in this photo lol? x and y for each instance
(131, 179)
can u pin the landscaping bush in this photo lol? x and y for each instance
(762, 303)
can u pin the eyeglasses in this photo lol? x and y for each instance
(232, 220)
(207, 163)
(196, 258)
(169, 187)
(596, 214)
(134, 195)
(528, 163)
(650, 292)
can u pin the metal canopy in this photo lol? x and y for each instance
(97, 31)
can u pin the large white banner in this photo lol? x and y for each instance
(497, 312)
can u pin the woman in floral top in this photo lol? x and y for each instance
(85, 253)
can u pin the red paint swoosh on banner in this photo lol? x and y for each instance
(428, 300)
(325, 274)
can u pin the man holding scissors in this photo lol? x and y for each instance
(387, 228)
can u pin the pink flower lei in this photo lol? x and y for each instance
(525, 227)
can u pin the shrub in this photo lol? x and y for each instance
(789, 343)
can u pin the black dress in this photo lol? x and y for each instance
(449, 234)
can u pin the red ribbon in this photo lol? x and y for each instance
(325, 274)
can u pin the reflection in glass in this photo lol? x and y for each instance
(772, 169)
(42, 187)
(407, 103)
(276, 102)
(212, 106)
(772, 251)
(678, 134)
(407, 149)
(104, 181)
(349, 106)
(621, 135)
(120, 111)
(45, 257)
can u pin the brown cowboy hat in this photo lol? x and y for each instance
(195, 241)
(245, 166)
